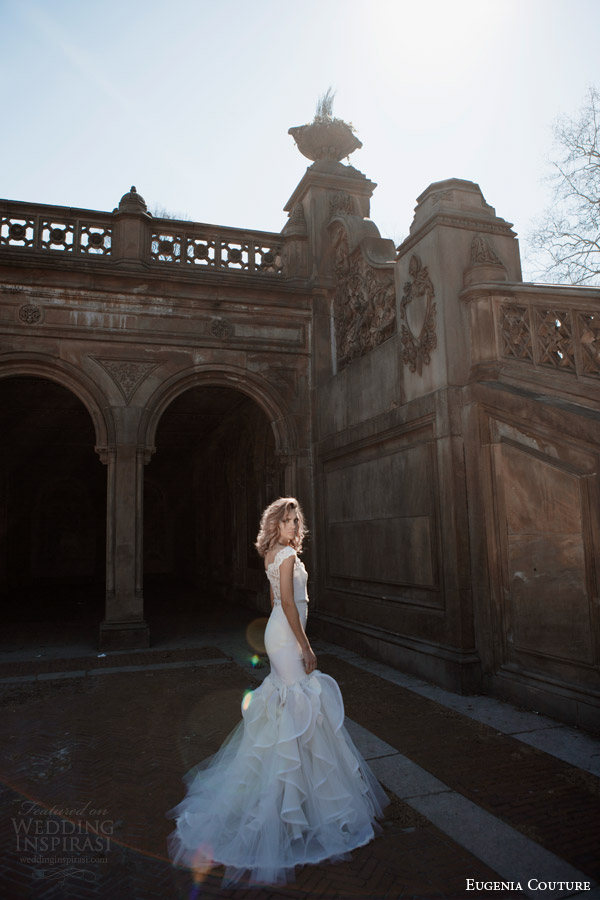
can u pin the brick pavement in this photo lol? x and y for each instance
(544, 798)
(120, 743)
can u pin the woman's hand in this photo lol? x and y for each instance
(309, 659)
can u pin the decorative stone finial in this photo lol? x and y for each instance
(325, 137)
(132, 202)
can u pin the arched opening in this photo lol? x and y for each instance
(214, 470)
(52, 509)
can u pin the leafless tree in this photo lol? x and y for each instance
(566, 241)
(161, 212)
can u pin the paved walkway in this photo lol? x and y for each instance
(94, 746)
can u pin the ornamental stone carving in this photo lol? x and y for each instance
(442, 195)
(482, 253)
(364, 302)
(325, 139)
(221, 329)
(296, 216)
(30, 314)
(343, 204)
(127, 374)
(418, 310)
(515, 331)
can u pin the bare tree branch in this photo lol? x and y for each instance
(566, 240)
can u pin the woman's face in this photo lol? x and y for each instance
(288, 526)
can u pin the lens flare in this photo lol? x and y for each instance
(255, 634)
(202, 863)
(255, 660)
(247, 700)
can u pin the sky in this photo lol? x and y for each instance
(191, 100)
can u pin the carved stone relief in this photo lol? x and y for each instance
(342, 203)
(296, 216)
(30, 314)
(589, 329)
(482, 253)
(127, 374)
(221, 329)
(561, 338)
(442, 195)
(515, 332)
(364, 302)
(556, 345)
(418, 332)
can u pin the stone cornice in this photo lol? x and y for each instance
(458, 219)
(532, 290)
(356, 184)
(125, 271)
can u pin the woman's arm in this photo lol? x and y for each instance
(271, 593)
(286, 582)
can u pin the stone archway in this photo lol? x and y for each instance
(215, 468)
(52, 500)
(249, 384)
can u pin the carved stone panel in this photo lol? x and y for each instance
(127, 374)
(515, 332)
(221, 328)
(547, 602)
(381, 522)
(589, 330)
(555, 338)
(482, 253)
(364, 302)
(417, 308)
(342, 203)
(30, 314)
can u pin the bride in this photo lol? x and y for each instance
(288, 786)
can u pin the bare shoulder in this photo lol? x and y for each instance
(288, 561)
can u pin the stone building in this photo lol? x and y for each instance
(162, 380)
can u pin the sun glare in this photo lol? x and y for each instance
(434, 42)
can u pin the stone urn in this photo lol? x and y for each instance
(325, 139)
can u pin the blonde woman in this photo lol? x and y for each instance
(288, 787)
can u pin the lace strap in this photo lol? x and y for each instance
(281, 555)
(273, 574)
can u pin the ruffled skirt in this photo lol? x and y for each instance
(288, 787)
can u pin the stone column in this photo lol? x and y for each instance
(289, 465)
(124, 627)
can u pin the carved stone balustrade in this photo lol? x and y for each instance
(132, 236)
(540, 331)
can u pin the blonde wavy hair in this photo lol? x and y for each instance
(268, 532)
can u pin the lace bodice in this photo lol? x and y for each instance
(300, 576)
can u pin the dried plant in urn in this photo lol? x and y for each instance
(325, 137)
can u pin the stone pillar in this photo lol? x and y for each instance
(131, 230)
(456, 242)
(289, 465)
(327, 189)
(124, 627)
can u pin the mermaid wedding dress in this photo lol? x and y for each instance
(288, 786)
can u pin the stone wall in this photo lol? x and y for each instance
(438, 418)
(457, 464)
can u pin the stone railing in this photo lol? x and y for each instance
(559, 336)
(543, 328)
(33, 228)
(81, 234)
(213, 249)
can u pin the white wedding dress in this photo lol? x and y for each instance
(288, 786)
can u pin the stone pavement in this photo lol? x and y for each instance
(93, 749)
